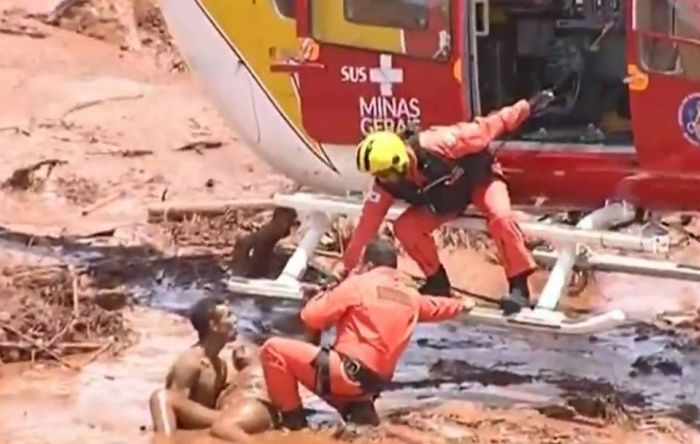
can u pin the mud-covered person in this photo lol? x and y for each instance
(198, 376)
(244, 405)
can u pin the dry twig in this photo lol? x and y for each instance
(199, 146)
(41, 347)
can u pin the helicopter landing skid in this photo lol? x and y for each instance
(540, 319)
(543, 317)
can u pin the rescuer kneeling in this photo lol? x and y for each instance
(439, 172)
(374, 314)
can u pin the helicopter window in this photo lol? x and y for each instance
(376, 25)
(286, 8)
(657, 20)
(404, 14)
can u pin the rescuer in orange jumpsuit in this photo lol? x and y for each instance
(439, 172)
(374, 313)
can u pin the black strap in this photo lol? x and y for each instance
(322, 383)
(370, 382)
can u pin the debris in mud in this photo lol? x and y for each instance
(252, 252)
(188, 211)
(597, 399)
(24, 178)
(199, 146)
(645, 365)
(459, 371)
(217, 232)
(572, 385)
(558, 411)
(583, 397)
(78, 190)
(129, 24)
(606, 407)
(48, 315)
(448, 237)
(687, 412)
(123, 153)
(12, 27)
(111, 299)
(104, 202)
(90, 103)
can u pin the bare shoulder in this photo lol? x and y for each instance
(187, 362)
(190, 357)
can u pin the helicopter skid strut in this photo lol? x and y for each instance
(569, 242)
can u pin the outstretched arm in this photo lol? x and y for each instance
(436, 309)
(374, 209)
(465, 138)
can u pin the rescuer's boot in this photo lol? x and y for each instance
(361, 413)
(437, 284)
(295, 419)
(518, 297)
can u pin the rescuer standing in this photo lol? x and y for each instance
(439, 172)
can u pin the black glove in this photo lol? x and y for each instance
(309, 291)
(411, 130)
(410, 135)
(541, 100)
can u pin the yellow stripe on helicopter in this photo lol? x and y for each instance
(262, 35)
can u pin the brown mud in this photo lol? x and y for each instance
(104, 120)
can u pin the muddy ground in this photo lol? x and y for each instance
(102, 119)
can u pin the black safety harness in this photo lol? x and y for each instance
(368, 380)
(450, 186)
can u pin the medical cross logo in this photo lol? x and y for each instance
(386, 75)
(384, 111)
(689, 118)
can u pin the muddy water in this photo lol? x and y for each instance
(636, 367)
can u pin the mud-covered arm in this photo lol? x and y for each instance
(466, 138)
(172, 408)
(326, 308)
(374, 209)
(436, 309)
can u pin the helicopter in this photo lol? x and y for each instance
(303, 81)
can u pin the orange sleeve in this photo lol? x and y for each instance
(326, 308)
(436, 309)
(374, 209)
(464, 138)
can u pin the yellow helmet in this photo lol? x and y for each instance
(382, 151)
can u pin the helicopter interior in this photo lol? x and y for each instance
(576, 47)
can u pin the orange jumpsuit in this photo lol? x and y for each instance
(414, 227)
(374, 313)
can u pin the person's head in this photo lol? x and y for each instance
(242, 356)
(212, 318)
(380, 252)
(384, 155)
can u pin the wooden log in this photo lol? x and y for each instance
(174, 211)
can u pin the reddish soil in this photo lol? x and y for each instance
(112, 105)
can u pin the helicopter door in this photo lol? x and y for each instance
(379, 65)
(664, 80)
